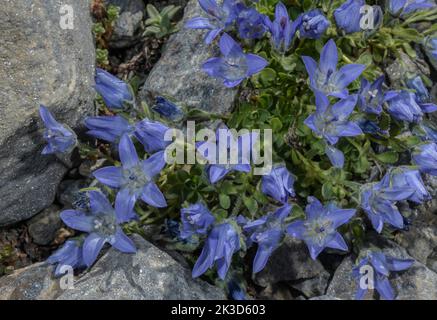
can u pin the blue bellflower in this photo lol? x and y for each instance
(382, 265)
(378, 201)
(425, 157)
(403, 106)
(312, 24)
(168, 109)
(235, 65)
(406, 177)
(219, 18)
(371, 96)
(282, 29)
(267, 232)
(422, 95)
(348, 16)
(70, 255)
(60, 139)
(108, 128)
(332, 121)
(251, 24)
(430, 46)
(151, 134)
(324, 77)
(223, 241)
(211, 151)
(134, 179)
(196, 220)
(278, 184)
(115, 92)
(319, 229)
(102, 226)
(405, 7)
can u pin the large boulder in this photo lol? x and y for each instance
(147, 275)
(178, 74)
(41, 62)
(150, 274)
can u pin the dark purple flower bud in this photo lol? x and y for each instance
(60, 139)
(168, 109)
(319, 230)
(114, 91)
(282, 29)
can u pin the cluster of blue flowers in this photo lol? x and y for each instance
(135, 179)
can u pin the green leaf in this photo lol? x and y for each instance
(389, 157)
(267, 77)
(225, 201)
(152, 11)
(276, 124)
(251, 205)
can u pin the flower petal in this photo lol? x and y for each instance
(153, 196)
(122, 242)
(255, 63)
(127, 152)
(78, 220)
(124, 206)
(329, 57)
(92, 246)
(110, 176)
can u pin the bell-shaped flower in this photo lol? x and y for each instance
(108, 128)
(60, 139)
(115, 92)
(324, 76)
(225, 156)
(222, 242)
(405, 7)
(406, 177)
(69, 256)
(234, 65)
(102, 226)
(371, 96)
(319, 230)
(381, 265)
(168, 109)
(312, 24)
(332, 121)
(422, 95)
(151, 134)
(430, 46)
(267, 232)
(403, 106)
(196, 220)
(219, 18)
(250, 24)
(134, 179)
(348, 16)
(282, 29)
(378, 201)
(425, 157)
(278, 184)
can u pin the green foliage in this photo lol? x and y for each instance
(159, 24)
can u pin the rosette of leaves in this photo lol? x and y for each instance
(159, 24)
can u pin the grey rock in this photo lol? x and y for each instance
(44, 226)
(276, 292)
(178, 73)
(31, 283)
(313, 287)
(416, 283)
(405, 66)
(290, 262)
(69, 191)
(149, 274)
(40, 63)
(324, 297)
(126, 30)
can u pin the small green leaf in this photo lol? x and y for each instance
(225, 201)
(388, 157)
